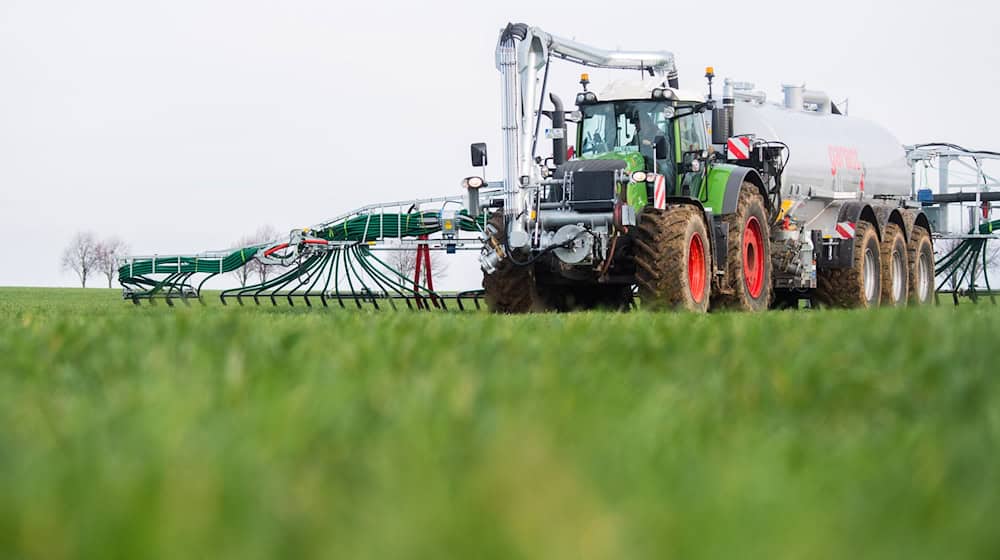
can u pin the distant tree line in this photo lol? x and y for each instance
(87, 256)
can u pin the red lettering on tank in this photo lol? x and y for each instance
(845, 159)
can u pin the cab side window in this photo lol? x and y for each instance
(691, 133)
(593, 136)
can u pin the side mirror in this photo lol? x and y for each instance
(661, 147)
(478, 151)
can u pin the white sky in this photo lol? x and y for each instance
(182, 125)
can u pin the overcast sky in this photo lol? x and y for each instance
(182, 125)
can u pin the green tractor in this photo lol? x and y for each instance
(641, 206)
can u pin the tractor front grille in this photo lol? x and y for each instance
(593, 183)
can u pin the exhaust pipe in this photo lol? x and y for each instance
(558, 123)
(722, 118)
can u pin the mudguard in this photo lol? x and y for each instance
(859, 210)
(724, 182)
(887, 213)
(839, 253)
(913, 218)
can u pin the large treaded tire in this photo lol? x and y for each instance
(511, 289)
(920, 246)
(666, 244)
(737, 294)
(845, 287)
(893, 247)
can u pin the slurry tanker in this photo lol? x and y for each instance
(696, 201)
(644, 194)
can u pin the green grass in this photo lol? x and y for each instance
(258, 433)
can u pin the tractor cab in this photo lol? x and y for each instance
(655, 130)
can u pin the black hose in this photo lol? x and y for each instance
(957, 147)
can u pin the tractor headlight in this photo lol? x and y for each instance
(472, 182)
(586, 97)
(663, 94)
(639, 177)
(580, 99)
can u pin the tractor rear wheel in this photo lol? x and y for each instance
(673, 259)
(510, 288)
(748, 262)
(921, 264)
(859, 285)
(894, 267)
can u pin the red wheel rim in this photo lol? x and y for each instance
(696, 268)
(753, 257)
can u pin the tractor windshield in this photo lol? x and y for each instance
(623, 126)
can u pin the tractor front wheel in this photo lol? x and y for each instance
(511, 288)
(673, 259)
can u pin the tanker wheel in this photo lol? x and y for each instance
(673, 259)
(748, 262)
(857, 286)
(510, 288)
(895, 271)
(921, 264)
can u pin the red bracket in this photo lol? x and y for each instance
(424, 261)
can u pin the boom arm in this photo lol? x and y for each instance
(656, 62)
(522, 52)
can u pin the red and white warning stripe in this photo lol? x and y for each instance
(845, 230)
(659, 192)
(739, 147)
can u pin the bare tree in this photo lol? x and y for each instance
(81, 256)
(243, 273)
(405, 261)
(263, 235)
(109, 251)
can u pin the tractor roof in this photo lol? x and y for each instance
(636, 89)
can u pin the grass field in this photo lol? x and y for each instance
(261, 433)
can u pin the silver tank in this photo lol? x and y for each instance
(827, 151)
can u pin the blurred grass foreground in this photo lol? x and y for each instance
(284, 433)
